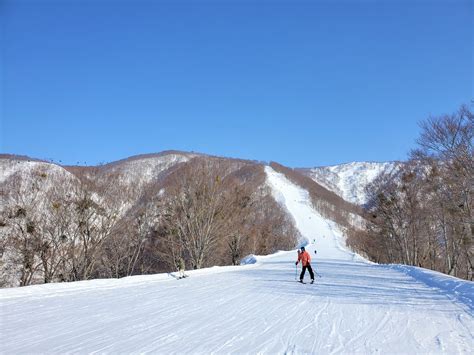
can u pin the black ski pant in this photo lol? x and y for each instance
(310, 269)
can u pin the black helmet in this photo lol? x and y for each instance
(302, 248)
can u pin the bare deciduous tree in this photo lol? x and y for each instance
(424, 216)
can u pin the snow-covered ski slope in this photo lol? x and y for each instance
(356, 307)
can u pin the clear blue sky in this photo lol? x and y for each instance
(304, 83)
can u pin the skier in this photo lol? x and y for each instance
(181, 268)
(305, 259)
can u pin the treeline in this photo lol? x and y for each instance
(422, 215)
(207, 211)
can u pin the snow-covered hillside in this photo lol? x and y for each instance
(141, 170)
(132, 174)
(349, 180)
(25, 168)
(354, 307)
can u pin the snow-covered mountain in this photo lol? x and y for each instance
(138, 170)
(354, 307)
(122, 201)
(346, 180)
(10, 166)
(125, 180)
(350, 180)
(142, 169)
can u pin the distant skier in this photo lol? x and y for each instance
(305, 259)
(181, 266)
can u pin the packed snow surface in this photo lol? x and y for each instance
(354, 307)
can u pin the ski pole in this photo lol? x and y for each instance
(296, 271)
(314, 269)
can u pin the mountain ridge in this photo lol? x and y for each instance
(347, 180)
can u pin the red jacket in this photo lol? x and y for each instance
(304, 257)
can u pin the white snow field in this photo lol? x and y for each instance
(355, 307)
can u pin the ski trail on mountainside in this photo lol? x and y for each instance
(356, 307)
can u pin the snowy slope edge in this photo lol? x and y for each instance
(64, 288)
(460, 290)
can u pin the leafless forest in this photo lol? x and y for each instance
(422, 216)
(56, 226)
